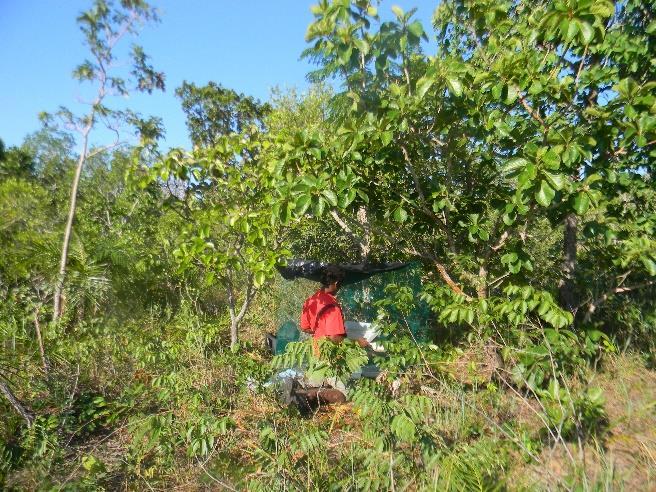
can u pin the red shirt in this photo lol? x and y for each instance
(330, 320)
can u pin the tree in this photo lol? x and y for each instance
(104, 26)
(525, 115)
(15, 162)
(213, 111)
(231, 236)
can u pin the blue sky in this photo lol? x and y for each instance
(250, 46)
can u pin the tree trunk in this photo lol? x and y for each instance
(69, 227)
(39, 339)
(18, 406)
(567, 294)
(365, 245)
(449, 281)
(481, 287)
(234, 327)
(237, 317)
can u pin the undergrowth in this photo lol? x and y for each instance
(159, 404)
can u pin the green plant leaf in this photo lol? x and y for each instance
(557, 181)
(400, 215)
(416, 28)
(386, 137)
(587, 32)
(303, 203)
(581, 203)
(454, 85)
(423, 84)
(319, 207)
(330, 197)
(513, 93)
(545, 194)
(514, 164)
(649, 264)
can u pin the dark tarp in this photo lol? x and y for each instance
(355, 272)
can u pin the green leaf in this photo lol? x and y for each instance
(319, 207)
(362, 45)
(344, 55)
(330, 197)
(587, 32)
(514, 164)
(315, 152)
(259, 278)
(403, 427)
(557, 181)
(509, 258)
(581, 203)
(627, 87)
(398, 11)
(508, 219)
(513, 92)
(604, 8)
(303, 203)
(497, 91)
(423, 84)
(386, 137)
(551, 159)
(545, 194)
(400, 215)
(572, 29)
(345, 199)
(416, 29)
(651, 28)
(454, 85)
(649, 264)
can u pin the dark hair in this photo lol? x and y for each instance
(332, 274)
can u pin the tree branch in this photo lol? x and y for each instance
(27, 415)
(534, 114)
(347, 229)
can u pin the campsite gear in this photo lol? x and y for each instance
(363, 285)
(354, 272)
(288, 332)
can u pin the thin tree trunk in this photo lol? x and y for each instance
(237, 317)
(449, 281)
(481, 288)
(234, 331)
(365, 246)
(567, 294)
(69, 226)
(234, 326)
(39, 339)
(18, 406)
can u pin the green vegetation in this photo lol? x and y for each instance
(508, 149)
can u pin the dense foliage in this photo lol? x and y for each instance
(508, 149)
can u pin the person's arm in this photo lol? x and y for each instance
(335, 328)
(340, 338)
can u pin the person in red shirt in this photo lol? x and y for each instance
(322, 315)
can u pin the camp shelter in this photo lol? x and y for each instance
(363, 285)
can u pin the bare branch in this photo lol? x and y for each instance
(27, 415)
